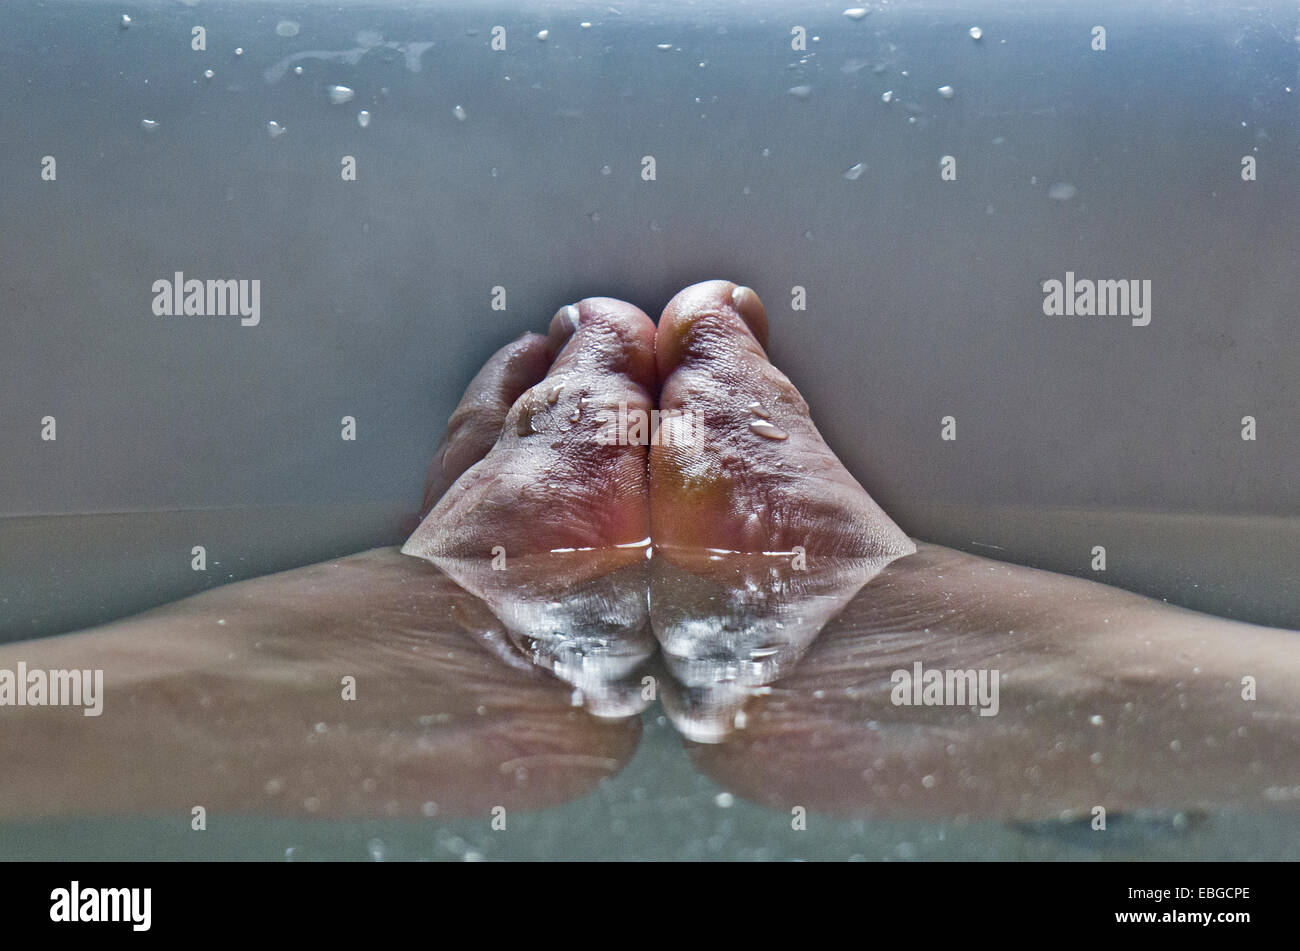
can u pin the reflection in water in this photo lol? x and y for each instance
(580, 614)
(731, 624)
(465, 701)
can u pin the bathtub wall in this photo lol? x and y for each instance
(899, 296)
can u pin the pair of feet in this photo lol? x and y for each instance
(540, 455)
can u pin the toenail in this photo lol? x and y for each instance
(742, 297)
(568, 317)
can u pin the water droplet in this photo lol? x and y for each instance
(524, 426)
(460, 113)
(1096, 719)
(663, 46)
(363, 118)
(855, 172)
(208, 74)
(605, 170)
(765, 429)
(553, 397)
(340, 94)
(887, 96)
(800, 92)
(976, 33)
(543, 34)
(239, 51)
(274, 129)
(1062, 191)
(946, 92)
(856, 13)
(724, 800)
(927, 782)
(767, 153)
(757, 410)
(126, 21)
(148, 124)
(286, 28)
(297, 70)
(585, 25)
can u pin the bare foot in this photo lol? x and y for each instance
(756, 476)
(237, 699)
(550, 526)
(761, 535)
(550, 481)
(1092, 696)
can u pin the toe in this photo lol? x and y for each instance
(709, 318)
(476, 422)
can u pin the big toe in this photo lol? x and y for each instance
(740, 465)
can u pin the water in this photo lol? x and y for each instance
(768, 430)
(648, 779)
(923, 302)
